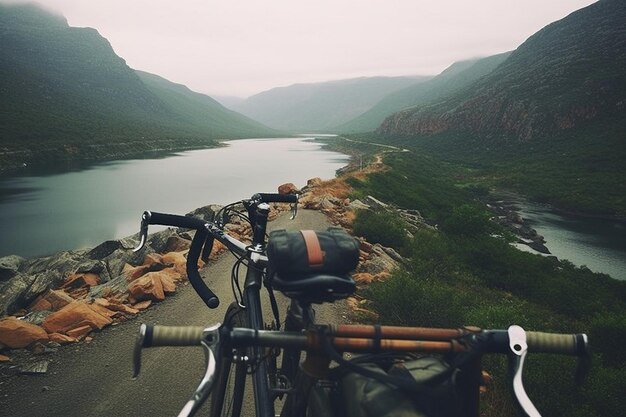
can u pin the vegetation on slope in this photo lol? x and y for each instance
(67, 95)
(465, 272)
(454, 78)
(320, 106)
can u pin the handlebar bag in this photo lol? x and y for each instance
(292, 254)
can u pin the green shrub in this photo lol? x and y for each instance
(383, 228)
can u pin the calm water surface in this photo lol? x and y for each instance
(43, 214)
(597, 243)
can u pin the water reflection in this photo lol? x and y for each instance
(47, 212)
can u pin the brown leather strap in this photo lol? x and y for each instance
(313, 248)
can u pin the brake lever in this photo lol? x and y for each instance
(143, 230)
(519, 349)
(211, 344)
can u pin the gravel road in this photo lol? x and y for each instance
(95, 379)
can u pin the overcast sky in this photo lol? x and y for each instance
(242, 47)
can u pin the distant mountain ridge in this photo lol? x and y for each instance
(457, 76)
(320, 106)
(65, 90)
(570, 72)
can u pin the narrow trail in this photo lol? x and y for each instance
(95, 379)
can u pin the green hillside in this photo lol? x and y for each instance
(457, 76)
(320, 106)
(567, 74)
(67, 95)
(548, 122)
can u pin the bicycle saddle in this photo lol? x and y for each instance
(315, 288)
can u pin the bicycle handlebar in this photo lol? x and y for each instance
(275, 198)
(343, 338)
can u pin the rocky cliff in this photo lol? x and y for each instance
(568, 73)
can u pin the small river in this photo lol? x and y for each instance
(48, 212)
(600, 244)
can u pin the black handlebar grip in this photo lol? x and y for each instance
(177, 221)
(568, 344)
(208, 296)
(278, 198)
(172, 336)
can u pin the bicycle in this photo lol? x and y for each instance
(243, 341)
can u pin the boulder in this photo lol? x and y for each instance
(104, 249)
(118, 259)
(9, 266)
(36, 317)
(205, 213)
(43, 282)
(148, 287)
(158, 241)
(11, 293)
(133, 272)
(177, 244)
(81, 280)
(64, 263)
(75, 315)
(177, 260)
(142, 305)
(116, 287)
(288, 188)
(97, 267)
(18, 334)
(314, 182)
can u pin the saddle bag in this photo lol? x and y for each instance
(312, 266)
(293, 254)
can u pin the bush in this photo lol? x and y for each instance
(383, 228)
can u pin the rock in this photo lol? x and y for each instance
(158, 240)
(152, 259)
(365, 246)
(18, 334)
(116, 261)
(133, 272)
(75, 315)
(11, 293)
(9, 266)
(4, 358)
(81, 280)
(40, 367)
(177, 260)
(115, 306)
(288, 188)
(40, 304)
(147, 288)
(177, 244)
(36, 317)
(97, 267)
(61, 338)
(363, 278)
(116, 286)
(79, 332)
(104, 249)
(205, 213)
(43, 282)
(358, 205)
(375, 203)
(314, 182)
(39, 348)
(142, 305)
(58, 299)
(64, 263)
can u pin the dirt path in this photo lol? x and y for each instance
(95, 379)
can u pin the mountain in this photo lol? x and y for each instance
(201, 110)
(65, 90)
(455, 77)
(569, 73)
(320, 106)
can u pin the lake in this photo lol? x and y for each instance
(44, 213)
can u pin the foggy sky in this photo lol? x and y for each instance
(242, 47)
